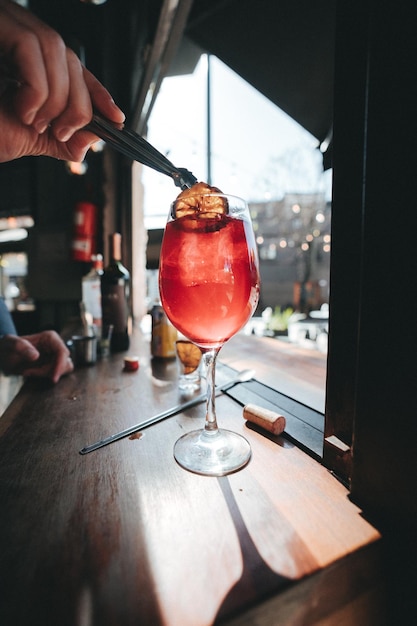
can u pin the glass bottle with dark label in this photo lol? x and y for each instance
(115, 296)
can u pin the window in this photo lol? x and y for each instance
(256, 151)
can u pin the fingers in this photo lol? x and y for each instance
(51, 369)
(55, 94)
(54, 357)
(16, 353)
(101, 98)
(58, 81)
(36, 59)
(20, 348)
(85, 93)
(78, 109)
(63, 365)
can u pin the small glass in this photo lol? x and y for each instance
(84, 349)
(189, 365)
(105, 339)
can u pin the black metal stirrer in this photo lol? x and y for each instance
(137, 148)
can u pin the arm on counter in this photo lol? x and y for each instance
(41, 355)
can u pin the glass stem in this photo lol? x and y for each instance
(209, 359)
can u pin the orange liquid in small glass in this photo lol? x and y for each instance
(209, 282)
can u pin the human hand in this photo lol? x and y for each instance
(42, 355)
(46, 95)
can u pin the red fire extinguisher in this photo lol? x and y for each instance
(83, 243)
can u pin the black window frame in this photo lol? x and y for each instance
(370, 394)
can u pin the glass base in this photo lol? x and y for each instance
(212, 453)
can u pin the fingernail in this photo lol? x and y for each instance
(29, 116)
(116, 107)
(63, 134)
(31, 353)
(40, 126)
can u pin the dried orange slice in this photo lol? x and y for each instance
(189, 355)
(195, 201)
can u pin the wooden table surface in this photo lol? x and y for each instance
(124, 536)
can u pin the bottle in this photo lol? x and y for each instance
(91, 292)
(164, 335)
(115, 296)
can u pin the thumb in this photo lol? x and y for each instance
(27, 350)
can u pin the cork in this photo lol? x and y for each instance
(269, 420)
(131, 363)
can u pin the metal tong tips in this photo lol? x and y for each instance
(137, 148)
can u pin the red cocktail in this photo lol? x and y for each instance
(209, 286)
(209, 277)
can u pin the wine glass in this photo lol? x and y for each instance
(209, 287)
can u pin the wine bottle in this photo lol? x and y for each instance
(91, 291)
(115, 296)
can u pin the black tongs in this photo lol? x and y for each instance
(137, 148)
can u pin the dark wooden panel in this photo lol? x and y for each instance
(372, 366)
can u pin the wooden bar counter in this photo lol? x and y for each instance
(123, 536)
